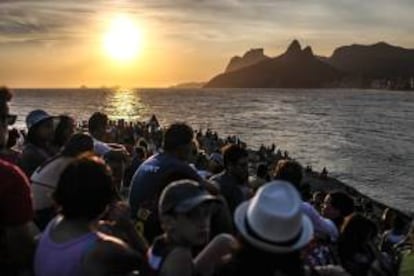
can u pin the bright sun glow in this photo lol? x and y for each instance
(123, 40)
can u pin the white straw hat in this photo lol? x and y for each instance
(273, 221)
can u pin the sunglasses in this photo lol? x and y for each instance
(9, 119)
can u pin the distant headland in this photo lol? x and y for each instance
(377, 66)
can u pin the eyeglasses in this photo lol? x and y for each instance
(8, 119)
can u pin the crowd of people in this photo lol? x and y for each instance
(109, 197)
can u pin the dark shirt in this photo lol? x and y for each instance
(15, 199)
(147, 184)
(232, 190)
(129, 172)
(15, 208)
(32, 157)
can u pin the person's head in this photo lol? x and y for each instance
(306, 191)
(84, 189)
(262, 171)
(195, 151)
(317, 200)
(387, 218)
(140, 152)
(398, 225)
(357, 231)
(337, 205)
(14, 135)
(215, 162)
(178, 140)
(142, 143)
(78, 144)
(318, 197)
(236, 161)
(272, 222)
(97, 125)
(6, 119)
(115, 159)
(290, 171)
(40, 127)
(184, 209)
(202, 162)
(64, 130)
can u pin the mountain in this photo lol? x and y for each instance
(251, 57)
(296, 68)
(380, 60)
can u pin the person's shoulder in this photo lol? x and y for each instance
(110, 255)
(170, 163)
(180, 257)
(308, 208)
(31, 153)
(157, 157)
(331, 270)
(29, 149)
(167, 159)
(100, 147)
(217, 177)
(108, 241)
(181, 252)
(11, 172)
(54, 166)
(109, 247)
(150, 165)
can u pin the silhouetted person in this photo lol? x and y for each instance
(16, 211)
(324, 173)
(233, 181)
(38, 147)
(150, 178)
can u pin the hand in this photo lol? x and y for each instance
(119, 212)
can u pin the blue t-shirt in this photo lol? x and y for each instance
(148, 182)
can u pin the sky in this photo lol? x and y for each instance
(61, 43)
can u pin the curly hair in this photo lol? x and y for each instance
(84, 188)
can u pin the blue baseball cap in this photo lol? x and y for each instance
(35, 117)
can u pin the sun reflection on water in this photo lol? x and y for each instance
(125, 104)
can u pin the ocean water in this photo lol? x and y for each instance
(363, 137)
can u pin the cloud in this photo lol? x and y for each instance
(212, 21)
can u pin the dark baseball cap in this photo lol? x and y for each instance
(182, 196)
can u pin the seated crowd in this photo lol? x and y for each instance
(118, 198)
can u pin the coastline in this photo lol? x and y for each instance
(372, 207)
(327, 183)
(324, 184)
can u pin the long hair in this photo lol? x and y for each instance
(61, 137)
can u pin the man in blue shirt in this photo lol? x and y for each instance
(156, 173)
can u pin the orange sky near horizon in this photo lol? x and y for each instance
(62, 43)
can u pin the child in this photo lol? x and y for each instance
(185, 211)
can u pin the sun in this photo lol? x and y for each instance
(123, 39)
